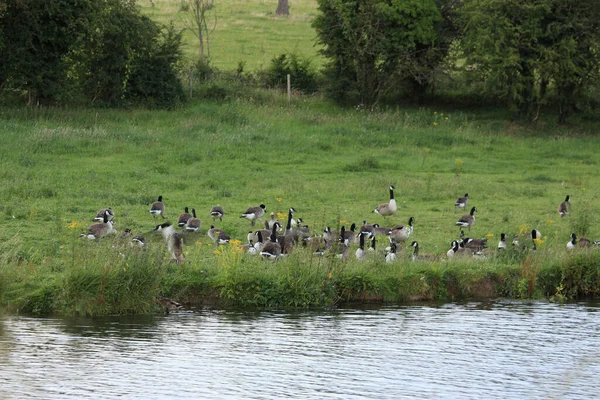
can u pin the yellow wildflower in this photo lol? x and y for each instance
(279, 199)
(73, 225)
(235, 242)
(489, 235)
(198, 243)
(435, 123)
(330, 276)
(446, 118)
(216, 252)
(550, 221)
(459, 161)
(281, 215)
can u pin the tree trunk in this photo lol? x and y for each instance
(282, 8)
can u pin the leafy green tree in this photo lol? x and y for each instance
(521, 49)
(374, 45)
(37, 37)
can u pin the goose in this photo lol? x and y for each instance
(254, 213)
(351, 234)
(265, 232)
(193, 224)
(271, 249)
(401, 233)
(467, 220)
(269, 224)
(168, 304)
(183, 218)
(158, 208)
(342, 249)
(223, 238)
(360, 252)
(564, 208)
(214, 233)
(476, 245)
(391, 253)
(502, 242)
(389, 208)
(368, 227)
(416, 256)
(328, 236)
(535, 236)
(96, 231)
(217, 212)
(458, 250)
(372, 248)
(574, 242)
(105, 211)
(138, 241)
(462, 202)
(174, 241)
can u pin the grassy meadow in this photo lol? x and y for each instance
(246, 30)
(60, 166)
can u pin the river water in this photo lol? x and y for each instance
(491, 350)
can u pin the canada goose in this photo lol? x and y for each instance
(502, 242)
(193, 224)
(168, 304)
(328, 236)
(96, 231)
(183, 218)
(360, 252)
(370, 228)
(564, 208)
(391, 253)
(217, 212)
(174, 241)
(467, 220)
(351, 234)
(401, 233)
(417, 257)
(389, 208)
(158, 208)
(138, 241)
(462, 202)
(535, 236)
(574, 242)
(342, 248)
(458, 250)
(214, 233)
(105, 211)
(292, 221)
(476, 245)
(254, 213)
(266, 233)
(373, 246)
(271, 249)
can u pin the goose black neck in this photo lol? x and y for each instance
(274, 234)
(391, 194)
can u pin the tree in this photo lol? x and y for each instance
(282, 8)
(37, 38)
(522, 49)
(373, 45)
(197, 14)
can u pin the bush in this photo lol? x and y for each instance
(302, 73)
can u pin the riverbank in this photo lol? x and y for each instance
(334, 166)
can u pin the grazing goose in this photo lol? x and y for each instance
(360, 252)
(193, 224)
(502, 242)
(217, 212)
(214, 233)
(174, 241)
(223, 238)
(183, 218)
(101, 229)
(158, 208)
(389, 208)
(564, 208)
(105, 211)
(271, 249)
(462, 202)
(401, 233)
(467, 220)
(476, 245)
(391, 253)
(581, 242)
(254, 213)
(138, 241)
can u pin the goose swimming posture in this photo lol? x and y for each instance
(564, 208)
(581, 242)
(461, 202)
(174, 241)
(389, 208)
(193, 224)
(105, 211)
(158, 208)
(254, 213)
(217, 212)
(401, 233)
(102, 229)
(183, 218)
(467, 220)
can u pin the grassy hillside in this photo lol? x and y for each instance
(246, 30)
(334, 166)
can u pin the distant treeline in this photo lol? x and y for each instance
(527, 55)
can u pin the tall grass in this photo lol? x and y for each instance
(333, 165)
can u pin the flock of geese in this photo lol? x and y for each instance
(273, 241)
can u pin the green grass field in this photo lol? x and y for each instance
(334, 166)
(246, 30)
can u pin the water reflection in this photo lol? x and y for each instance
(469, 350)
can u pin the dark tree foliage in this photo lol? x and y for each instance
(301, 71)
(374, 45)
